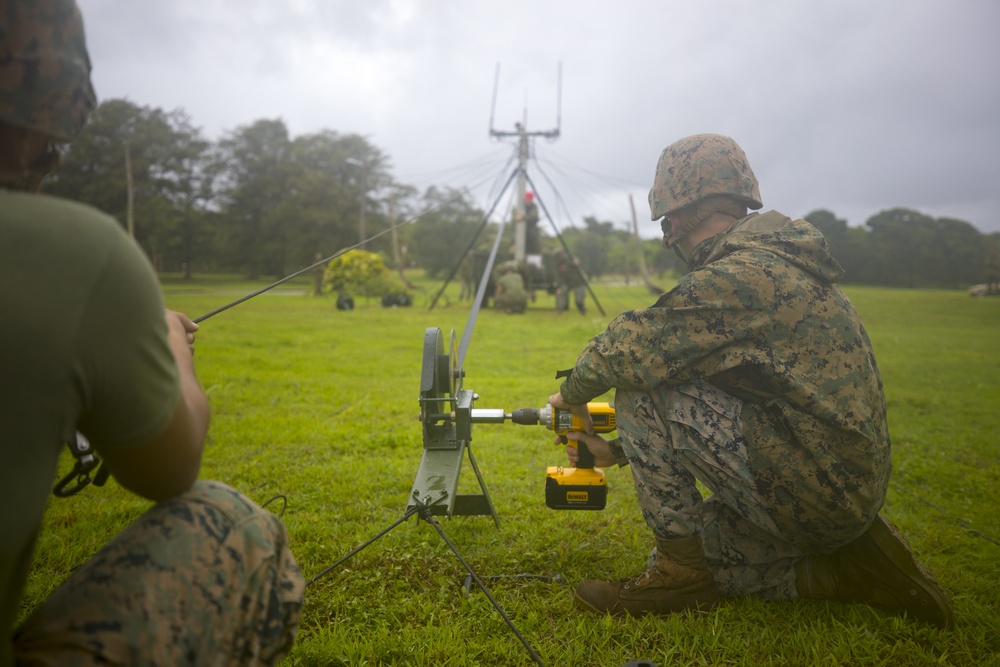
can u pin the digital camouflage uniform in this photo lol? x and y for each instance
(755, 376)
(205, 578)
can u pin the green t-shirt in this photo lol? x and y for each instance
(83, 347)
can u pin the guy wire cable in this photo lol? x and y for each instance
(410, 511)
(958, 521)
(565, 166)
(472, 241)
(425, 514)
(596, 205)
(487, 161)
(484, 280)
(420, 507)
(545, 210)
(480, 295)
(323, 261)
(560, 201)
(494, 188)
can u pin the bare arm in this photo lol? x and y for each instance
(604, 457)
(169, 464)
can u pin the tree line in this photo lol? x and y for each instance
(897, 247)
(258, 201)
(900, 247)
(262, 203)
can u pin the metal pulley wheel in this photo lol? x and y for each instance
(440, 376)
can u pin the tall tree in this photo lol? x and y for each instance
(371, 179)
(320, 209)
(290, 201)
(449, 224)
(599, 247)
(164, 155)
(254, 174)
(903, 240)
(963, 253)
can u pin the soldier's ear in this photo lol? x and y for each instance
(26, 157)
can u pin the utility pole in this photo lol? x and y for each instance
(523, 153)
(397, 256)
(640, 257)
(364, 195)
(130, 222)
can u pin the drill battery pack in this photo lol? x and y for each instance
(575, 488)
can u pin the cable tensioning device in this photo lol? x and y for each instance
(579, 488)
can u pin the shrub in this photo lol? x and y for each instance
(358, 273)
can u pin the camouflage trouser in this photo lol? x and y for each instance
(579, 298)
(511, 303)
(205, 578)
(675, 435)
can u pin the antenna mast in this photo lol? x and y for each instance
(524, 151)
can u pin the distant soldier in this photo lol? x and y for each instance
(511, 296)
(532, 243)
(569, 282)
(467, 279)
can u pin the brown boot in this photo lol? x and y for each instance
(876, 569)
(679, 579)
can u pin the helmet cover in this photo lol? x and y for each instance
(44, 67)
(700, 166)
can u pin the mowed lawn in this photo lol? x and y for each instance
(315, 414)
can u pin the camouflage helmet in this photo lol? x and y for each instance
(44, 67)
(701, 166)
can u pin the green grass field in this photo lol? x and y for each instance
(320, 406)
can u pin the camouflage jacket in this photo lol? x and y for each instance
(759, 316)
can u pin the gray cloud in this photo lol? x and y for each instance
(849, 105)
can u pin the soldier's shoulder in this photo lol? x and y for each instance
(761, 222)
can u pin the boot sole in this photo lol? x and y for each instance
(888, 542)
(694, 603)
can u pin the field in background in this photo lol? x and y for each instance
(319, 406)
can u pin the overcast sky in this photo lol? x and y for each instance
(855, 106)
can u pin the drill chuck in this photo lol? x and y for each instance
(526, 416)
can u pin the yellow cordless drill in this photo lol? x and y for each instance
(582, 487)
